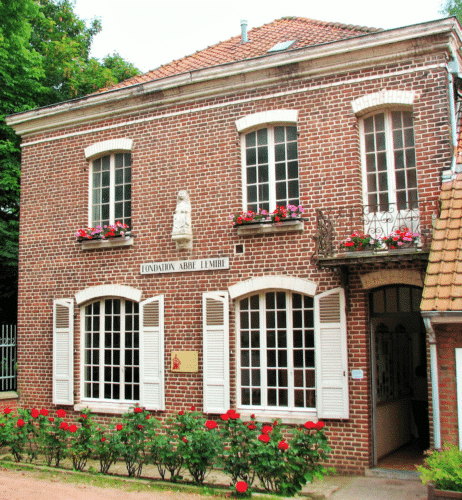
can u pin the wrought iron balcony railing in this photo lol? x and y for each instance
(334, 225)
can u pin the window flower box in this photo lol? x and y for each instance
(282, 219)
(400, 239)
(111, 236)
(359, 242)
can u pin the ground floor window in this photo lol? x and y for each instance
(277, 351)
(111, 350)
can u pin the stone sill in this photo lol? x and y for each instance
(8, 395)
(97, 407)
(270, 227)
(109, 243)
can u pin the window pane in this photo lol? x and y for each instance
(280, 152)
(262, 136)
(251, 156)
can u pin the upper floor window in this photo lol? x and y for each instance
(270, 161)
(390, 174)
(110, 193)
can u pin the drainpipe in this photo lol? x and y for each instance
(244, 38)
(434, 377)
(453, 68)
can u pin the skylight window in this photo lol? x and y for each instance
(281, 46)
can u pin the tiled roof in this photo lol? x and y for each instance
(305, 32)
(443, 282)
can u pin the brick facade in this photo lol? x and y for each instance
(190, 142)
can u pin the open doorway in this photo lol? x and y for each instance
(400, 399)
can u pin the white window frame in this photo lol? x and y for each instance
(269, 120)
(284, 413)
(87, 401)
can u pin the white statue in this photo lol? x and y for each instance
(182, 230)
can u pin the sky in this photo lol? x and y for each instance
(149, 33)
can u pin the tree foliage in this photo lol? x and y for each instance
(452, 8)
(44, 59)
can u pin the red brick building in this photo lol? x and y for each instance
(276, 318)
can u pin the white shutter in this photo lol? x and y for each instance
(63, 355)
(215, 310)
(331, 355)
(152, 353)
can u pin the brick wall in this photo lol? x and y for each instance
(195, 146)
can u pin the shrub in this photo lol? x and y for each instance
(131, 441)
(165, 455)
(53, 436)
(198, 442)
(19, 433)
(443, 468)
(81, 442)
(103, 449)
(240, 446)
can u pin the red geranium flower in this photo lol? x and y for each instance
(119, 427)
(264, 438)
(21, 422)
(61, 414)
(64, 426)
(44, 412)
(266, 429)
(282, 445)
(6, 411)
(138, 410)
(73, 428)
(34, 413)
(210, 424)
(241, 486)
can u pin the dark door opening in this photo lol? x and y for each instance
(400, 398)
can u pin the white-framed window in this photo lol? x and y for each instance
(270, 167)
(110, 189)
(389, 173)
(111, 351)
(276, 351)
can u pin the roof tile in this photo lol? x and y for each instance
(305, 32)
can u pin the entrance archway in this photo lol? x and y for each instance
(398, 369)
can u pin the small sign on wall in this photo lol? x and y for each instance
(185, 361)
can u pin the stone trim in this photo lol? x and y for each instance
(383, 99)
(273, 282)
(111, 145)
(391, 277)
(94, 292)
(273, 116)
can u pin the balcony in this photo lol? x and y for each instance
(334, 225)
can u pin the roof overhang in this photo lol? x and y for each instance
(333, 57)
(443, 316)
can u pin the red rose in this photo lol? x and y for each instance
(44, 412)
(119, 427)
(51, 419)
(235, 416)
(64, 426)
(282, 445)
(252, 427)
(185, 440)
(181, 412)
(225, 416)
(241, 486)
(138, 410)
(266, 429)
(148, 417)
(6, 411)
(83, 416)
(230, 412)
(309, 425)
(103, 439)
(21, 422)
(73, 428)
(319, 425)
(252, 416)
(140, 426)
(193, 408)
(2, 425)
(264, 438)
(34, 413)
(210, 424)
(61, 414)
